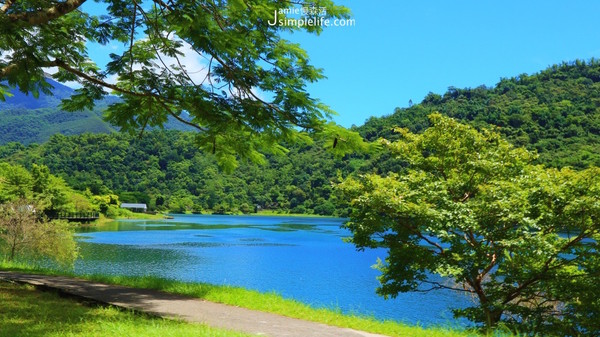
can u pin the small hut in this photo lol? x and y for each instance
(138, 208)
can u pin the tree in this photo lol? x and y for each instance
(15, 182)
(247, 96)
(25, 234)
(50, 192)
(521, 239)
(40, 176)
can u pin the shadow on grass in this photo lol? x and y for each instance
(28, 312)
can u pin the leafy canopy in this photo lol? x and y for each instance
(247, 96)
(48, 192)
(521, 239)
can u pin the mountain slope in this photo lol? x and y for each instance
(20, 100)
(26, 119)
(555, 112)
(36, 126)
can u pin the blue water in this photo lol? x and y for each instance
(300, 258)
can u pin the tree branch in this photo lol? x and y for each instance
(131, 38)
(423, 237)
(177, 117)
(435, 244)
(231, 71)
(79, 73)
(159, 99)
(538, 276)
(488, 268)
(163, 4)
(163, 39)
(437, 285)
(45, 15)
(4, 72)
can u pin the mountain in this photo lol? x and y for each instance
(26, 119)
(555, 112)
(20, 100)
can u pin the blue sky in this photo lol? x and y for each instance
(399, 50)
(402, 50)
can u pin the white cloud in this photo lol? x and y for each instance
(193, 63)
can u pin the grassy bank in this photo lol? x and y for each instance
(277, 213)
(268, 302)
(126, 214)
(103, 220)
(28, 312)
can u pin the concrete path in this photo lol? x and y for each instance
(186, 308)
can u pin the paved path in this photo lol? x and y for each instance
(186, 308)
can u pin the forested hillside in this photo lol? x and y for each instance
(28, 119)
(36, 126)
(555, 112)
(166, 170)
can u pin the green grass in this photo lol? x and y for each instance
(126, 214)
(141, 216)
(269, 212)
(268, 302)
(25, 311)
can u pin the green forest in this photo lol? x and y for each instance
(554, 113)
(165, 170)
(27, 119)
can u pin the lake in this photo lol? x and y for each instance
(304, 258)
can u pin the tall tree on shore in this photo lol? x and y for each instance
(521, 239)
(247, 94)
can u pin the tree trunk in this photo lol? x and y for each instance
(492, 315)
(12, 252)
(492, 318)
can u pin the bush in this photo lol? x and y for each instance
(25, 235)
